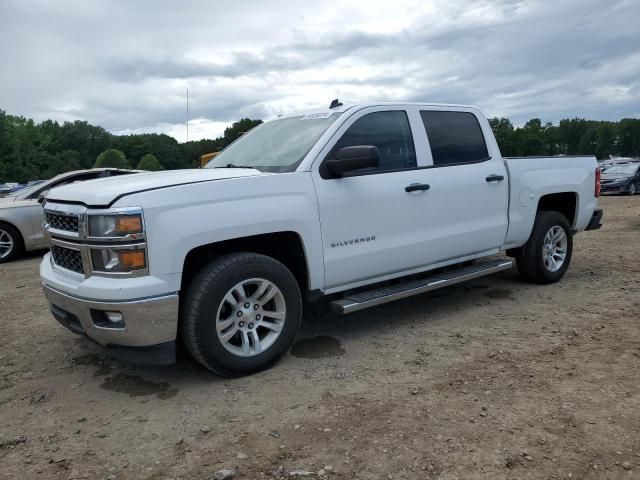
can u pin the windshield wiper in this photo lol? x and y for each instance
(231, 165)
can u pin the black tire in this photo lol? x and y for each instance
(632, 189)
(204, 296)
(530, 259)
(18, 246)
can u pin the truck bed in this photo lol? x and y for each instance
(531, 178)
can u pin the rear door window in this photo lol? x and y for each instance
(454, 137)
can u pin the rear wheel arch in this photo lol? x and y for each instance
(543, 243)
(565, 203)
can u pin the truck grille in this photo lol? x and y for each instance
(67, 258)
(68, 223)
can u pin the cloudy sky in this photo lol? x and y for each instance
(126, 65)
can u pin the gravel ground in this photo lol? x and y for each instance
(493, 379)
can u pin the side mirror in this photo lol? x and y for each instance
(353, 158)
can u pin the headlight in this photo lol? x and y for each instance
(115, 225)
(118, 260)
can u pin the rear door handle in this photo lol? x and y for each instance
(494, 178)
(416, 187)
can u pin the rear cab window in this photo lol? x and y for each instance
(455, 138)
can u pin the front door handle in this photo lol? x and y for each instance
(494, 178)
(416, 187)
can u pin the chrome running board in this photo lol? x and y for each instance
(370, 298)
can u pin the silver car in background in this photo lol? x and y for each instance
(21, 216)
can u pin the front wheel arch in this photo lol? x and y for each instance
(287, 247)
(206, 294)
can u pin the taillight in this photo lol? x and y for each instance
(598, 173)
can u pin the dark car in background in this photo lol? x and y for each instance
(7, 188)
(621, 178)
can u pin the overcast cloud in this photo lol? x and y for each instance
(126, 65)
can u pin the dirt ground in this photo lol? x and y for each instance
(495, 379)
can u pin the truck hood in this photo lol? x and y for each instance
(104, 191)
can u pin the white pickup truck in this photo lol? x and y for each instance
(360, 205)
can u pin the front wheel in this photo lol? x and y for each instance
(632, 189)
(547, 254)
(241, 313)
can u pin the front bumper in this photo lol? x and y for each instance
(146, 334)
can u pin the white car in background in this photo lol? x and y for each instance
(21, 216)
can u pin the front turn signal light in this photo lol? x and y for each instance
(133, 259)
(108, 260)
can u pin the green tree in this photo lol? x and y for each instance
(238, 128)
(628, 133)
(503, 131)
(86, 139)
(165, 148)
(191, 151)
(532, 138)
(570, 133)
(149, 162)
(111, 158)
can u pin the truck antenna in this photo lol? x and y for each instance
(187, 114)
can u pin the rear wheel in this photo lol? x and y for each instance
(547, 254)
(10, 242)
(241, 313)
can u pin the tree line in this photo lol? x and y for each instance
(30, 150)
(575, 136)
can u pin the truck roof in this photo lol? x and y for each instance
(349, 106)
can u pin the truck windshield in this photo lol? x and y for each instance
(276, 146)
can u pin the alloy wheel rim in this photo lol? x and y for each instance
(250, 317)
(6, 243)
(554, 248)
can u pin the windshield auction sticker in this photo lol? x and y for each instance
(315, 116)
